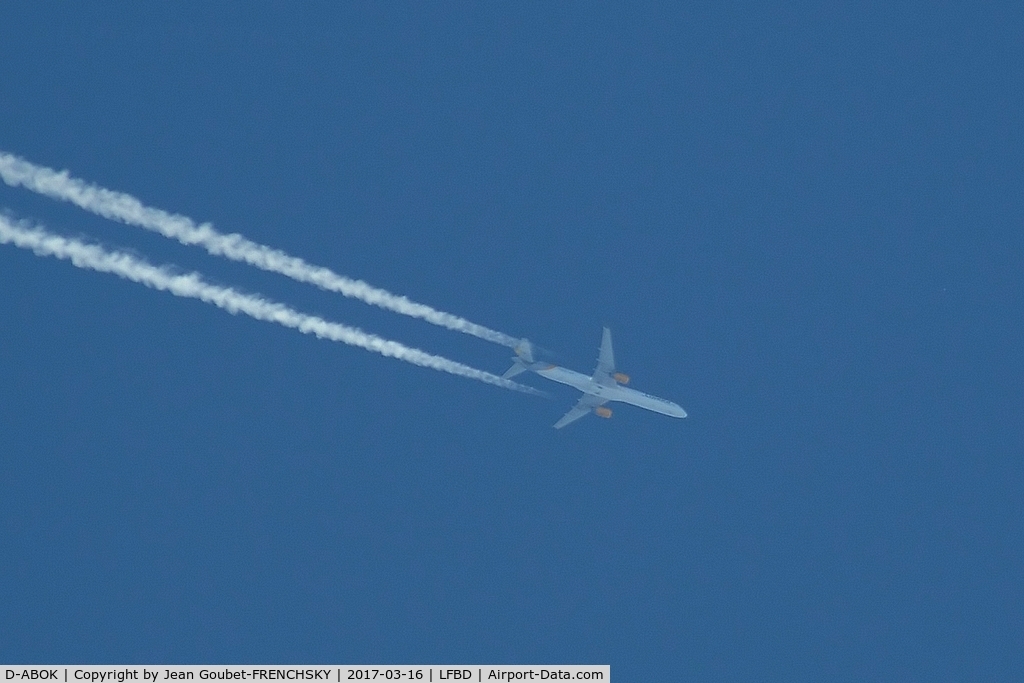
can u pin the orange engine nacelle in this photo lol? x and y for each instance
(621, 378)
(603, 412)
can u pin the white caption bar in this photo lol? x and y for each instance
(324, 673)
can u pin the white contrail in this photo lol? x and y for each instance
(127, 209)
(93, 257)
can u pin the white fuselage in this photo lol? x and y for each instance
(609, 392)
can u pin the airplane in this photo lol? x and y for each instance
(605, 385)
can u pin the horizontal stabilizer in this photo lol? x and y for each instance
(516, 369)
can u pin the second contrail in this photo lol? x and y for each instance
(192, 285)
(119, 206)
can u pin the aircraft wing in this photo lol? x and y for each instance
(605, 360)
(586, 404)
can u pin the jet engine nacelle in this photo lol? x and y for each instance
(621, 377)
(603, 412)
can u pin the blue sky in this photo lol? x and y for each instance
(802, 223)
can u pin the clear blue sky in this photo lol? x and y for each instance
(801, 220)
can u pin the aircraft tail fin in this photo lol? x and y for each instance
(524, 350)
(522, 360)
